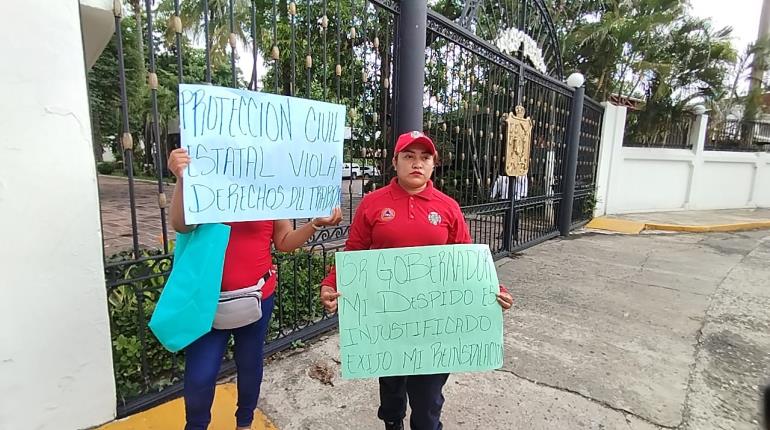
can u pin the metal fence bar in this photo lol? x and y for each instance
(641, 132)
(207, 37)
(233, 43)
(254, 51)
(739, 136)
(126, 140)
(177, 27)
(160, 148)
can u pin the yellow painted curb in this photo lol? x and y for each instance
(634, 227)
(741, 226)
(616, 225)
(171, 415)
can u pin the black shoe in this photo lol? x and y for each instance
(395, 425)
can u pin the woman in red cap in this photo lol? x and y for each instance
(409, 203)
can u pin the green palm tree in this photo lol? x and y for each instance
(218, 14)
(617, 43)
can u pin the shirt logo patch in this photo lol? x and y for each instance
(434, 218)
(387, 214)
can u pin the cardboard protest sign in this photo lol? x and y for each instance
(259, 156)
(422, 310)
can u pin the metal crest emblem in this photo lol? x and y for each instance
(517, 143)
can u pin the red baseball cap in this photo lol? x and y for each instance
(411, 137)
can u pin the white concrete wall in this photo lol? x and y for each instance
(657, 179)
(55, 354)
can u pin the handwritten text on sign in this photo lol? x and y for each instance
(258, 156)
(423, 310)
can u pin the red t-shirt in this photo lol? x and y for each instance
(248, 256)
(392, 218)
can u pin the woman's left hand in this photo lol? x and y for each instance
(505, 300)
(329, 221)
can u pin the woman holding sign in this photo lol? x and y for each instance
(408, 212)
(248, 272)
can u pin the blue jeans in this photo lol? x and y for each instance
(203, 359)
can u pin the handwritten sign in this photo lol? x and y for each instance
(259, 156)
(423, 310)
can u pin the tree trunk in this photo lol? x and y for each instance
(96, 137)
(758, 67)
(600, 87)
(136, 6)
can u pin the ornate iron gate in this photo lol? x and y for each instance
(344, 52)
(471, 85)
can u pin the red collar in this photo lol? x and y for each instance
(397, 192)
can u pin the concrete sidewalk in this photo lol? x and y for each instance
(609, 332)
(686, 221)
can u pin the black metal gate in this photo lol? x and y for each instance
(464, 115)
(344, 52)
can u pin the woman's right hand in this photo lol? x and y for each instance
(329, 298)
(178, 160)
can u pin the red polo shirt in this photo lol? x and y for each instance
(392, 218)
(248, 256)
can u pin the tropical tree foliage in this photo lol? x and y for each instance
(321, 49)
(104, 89)
(652, 50)
(643, 48)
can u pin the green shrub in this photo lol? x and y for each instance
(589, 205)
(299, 281)
(105, 168)
(149, 171)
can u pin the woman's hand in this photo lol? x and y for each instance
(330, 220)
(286, 239)
(505, 299)
(178, 160)
(329, 298)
